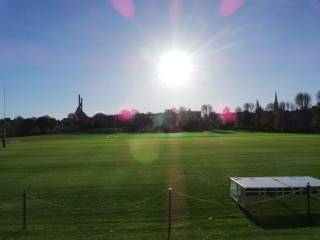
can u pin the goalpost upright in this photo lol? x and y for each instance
(4, 119)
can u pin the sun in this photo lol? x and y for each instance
(175, 68)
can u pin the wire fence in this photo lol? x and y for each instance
(315, 196)
(161, 206)
(135, 206)
(198, 199)
(277, 198)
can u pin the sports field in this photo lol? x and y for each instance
(115, 186)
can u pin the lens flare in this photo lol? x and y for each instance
(228, 116)
(175, 68)
(124, 7)
(229, 7)
(126, 115)
(144, 151)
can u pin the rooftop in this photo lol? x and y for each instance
(276, 182)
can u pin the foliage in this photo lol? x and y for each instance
(283, 116)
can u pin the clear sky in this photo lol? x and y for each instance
(108, 51)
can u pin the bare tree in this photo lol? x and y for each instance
(270, 107)
(258, 116)
(290, 106)
(306, 100)
(318, 99)
(299, 100)
(287, 106)
(238, 110)
(258, 107)
(248, 107)
(282, 106)
(303, 100)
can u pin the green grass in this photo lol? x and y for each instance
(104, 181)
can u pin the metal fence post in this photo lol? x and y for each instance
(169, 212)
(24, 210)
(308, 200)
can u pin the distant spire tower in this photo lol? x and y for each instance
(276, 103)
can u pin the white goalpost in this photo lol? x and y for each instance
(4, 119)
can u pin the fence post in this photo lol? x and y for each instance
(3, 142)
(308, 200)
(169, 212)
(24, 210)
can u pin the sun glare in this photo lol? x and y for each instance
(175, 68)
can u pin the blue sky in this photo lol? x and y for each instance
(108, 51)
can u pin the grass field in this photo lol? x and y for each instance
(114, 187)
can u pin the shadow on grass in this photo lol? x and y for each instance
(293, 220)
(11, 234)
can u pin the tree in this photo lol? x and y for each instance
(30, 126)
(303, 101)
(270, 107)
(306, 100)
(316, 117)
(100, 120)
(318, 99)
(43, 123)
(238, 110)
(248, 107)
(258, 116)
(140, 122)
(18, 126)
(228, 118)
(258, 107)
(192, 121)
(52, 124)
(280, 120)
(303, 118)
(282, 106)
(299, 100)
(215, 121)
(182, 109)
(247, 116)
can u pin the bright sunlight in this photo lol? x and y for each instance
(175, 68)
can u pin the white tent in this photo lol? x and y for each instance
(242, 188)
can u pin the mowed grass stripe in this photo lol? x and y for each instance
(115, 171)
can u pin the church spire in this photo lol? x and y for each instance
(276, 104)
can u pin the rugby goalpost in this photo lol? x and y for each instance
(4, 119)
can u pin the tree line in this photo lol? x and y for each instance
(297, 116)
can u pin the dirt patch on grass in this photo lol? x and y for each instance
(176, 182)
